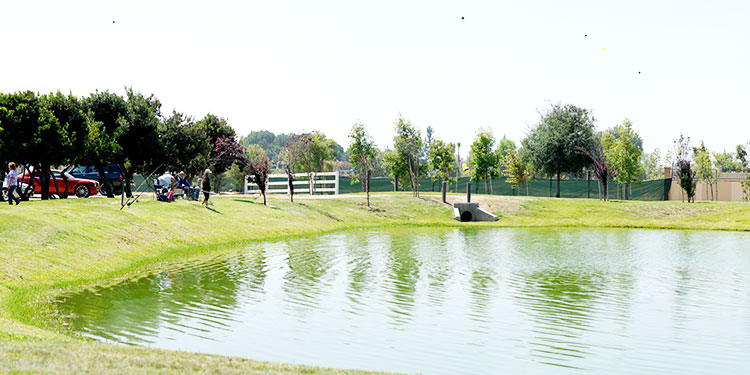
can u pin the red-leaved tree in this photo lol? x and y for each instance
(258, 168)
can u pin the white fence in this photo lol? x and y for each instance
(321, 182)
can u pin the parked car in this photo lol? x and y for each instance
(81, 187)
(23, 187)
(111, 171)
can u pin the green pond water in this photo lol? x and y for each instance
(450, 301)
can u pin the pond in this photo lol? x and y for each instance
(450, 301)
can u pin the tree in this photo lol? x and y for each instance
(516, 170)
(745, 185)
(484, 159)
(552, 145)
(727, 162)
(216, 127)
(651, 166)
(226, 153)
(441, 159)
(108, 111)
(185, 146)
(363, 154)
(407, 144)
(138, 136)
(742, 156)
(704, 168)
(258, 169)
(504, 146)
(75, 125)
(289, 155)
(682, 170)
(35, 135)
(621, 148)
(396, 166)
(599, 164)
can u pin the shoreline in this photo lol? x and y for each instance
(59, 246)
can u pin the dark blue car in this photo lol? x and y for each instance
(90, 172)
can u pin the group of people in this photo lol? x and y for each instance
(168, 183)
(11, 183)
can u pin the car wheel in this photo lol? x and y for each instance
(82, 191)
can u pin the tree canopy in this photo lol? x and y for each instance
(552, 143)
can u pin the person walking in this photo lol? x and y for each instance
(12, 179)
(206, 186)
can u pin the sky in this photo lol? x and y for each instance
(670, 66)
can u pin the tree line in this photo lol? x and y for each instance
(44, 131)
(563, 144)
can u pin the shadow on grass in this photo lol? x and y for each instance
(215, 210)
(326, 214)
(254, 202)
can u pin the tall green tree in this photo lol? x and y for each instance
(683, 169)
(742, 156)
(504, 146)
(139, 136)
(35, 136)
(407, 143)
(484, 159)
(109, 113)
(727, 162)
(552, 144)
(442, 160)
(517, 170)
(363, 155)
(396, 166)
(185, 145)
(704, 167)
(651, 165)
(74, 123)
(621, 148)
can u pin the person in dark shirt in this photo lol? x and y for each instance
(184, 184)
(206, 186)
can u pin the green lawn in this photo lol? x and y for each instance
(54, 246)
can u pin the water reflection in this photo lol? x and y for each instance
(403, 274)
(447, 301)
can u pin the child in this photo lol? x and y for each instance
(206, 187)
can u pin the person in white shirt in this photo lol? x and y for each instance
(12, 180)
(167, 180)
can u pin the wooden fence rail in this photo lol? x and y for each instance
(321, 182)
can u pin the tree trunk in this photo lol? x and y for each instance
(367, 186)
(106, 184)
(127, 178)
(557, 195)
(44, 177)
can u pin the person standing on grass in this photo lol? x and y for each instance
(12, 179)
(206, 186)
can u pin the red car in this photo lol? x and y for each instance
(82, 188)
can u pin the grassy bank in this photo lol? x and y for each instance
(52, 246)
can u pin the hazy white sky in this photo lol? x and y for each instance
(322, 65)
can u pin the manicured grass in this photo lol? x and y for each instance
(53, 246)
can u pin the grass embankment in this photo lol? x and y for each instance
(49, 247)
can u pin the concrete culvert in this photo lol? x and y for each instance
(466, 216)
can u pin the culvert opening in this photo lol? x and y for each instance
(466, 216)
